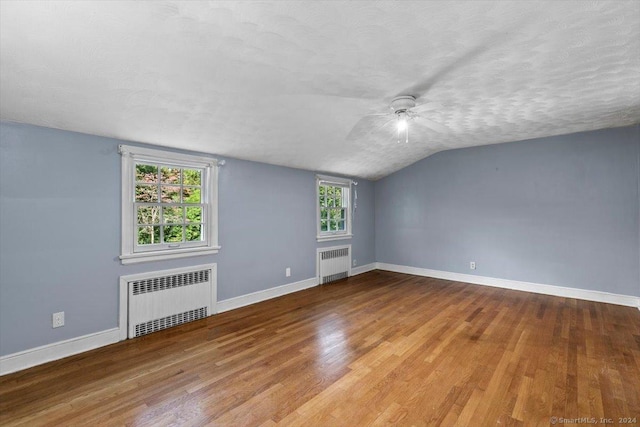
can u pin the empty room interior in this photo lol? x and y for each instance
(327, 213)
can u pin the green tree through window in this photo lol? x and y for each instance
(168, 203)
(333, 208)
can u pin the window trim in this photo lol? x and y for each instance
(131, 155)
(326, 236)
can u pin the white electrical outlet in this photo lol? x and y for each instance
(355, 262)
(472, 265)
(287, 272)
(57, 319)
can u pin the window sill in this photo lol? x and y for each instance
(329, 237)
(168, 254)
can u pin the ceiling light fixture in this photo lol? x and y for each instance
(401, 105)
(403, 125)
(403, 115)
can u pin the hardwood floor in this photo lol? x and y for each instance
(379, 348)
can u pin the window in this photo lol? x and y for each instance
(333, 212)
(169, 205)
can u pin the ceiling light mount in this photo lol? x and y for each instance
(401, 104)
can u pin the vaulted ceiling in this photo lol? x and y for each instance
(295, 83)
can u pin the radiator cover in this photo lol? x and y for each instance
(334, 263)
(162, 299)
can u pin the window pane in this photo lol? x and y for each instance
(194, 232)
(323, 225)
(192, 177)
(341, 225)
(148, 215)
(191, 195)
(146, 193)
(331, 202)
(335, 214)
(146, 173)
(332, 225)
(343, 214)
(170, 194)
(172, 233)
(148, 235)
(324, 213)
(169, 175)
(323, 196)
(194, 214)
(172, 215)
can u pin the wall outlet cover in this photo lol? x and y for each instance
(57, 319)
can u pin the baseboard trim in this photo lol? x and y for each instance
(57, 350)
(255, 297)
(363, 269)
(537, 288)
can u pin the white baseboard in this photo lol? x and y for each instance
(255, 297)
(57, 350)
(363, 269)
(537, 288)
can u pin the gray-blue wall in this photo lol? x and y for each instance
(560, 211)
(60, 232)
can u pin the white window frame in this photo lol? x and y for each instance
(325, 236)
(209, 192)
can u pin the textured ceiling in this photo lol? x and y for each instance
(286, 82)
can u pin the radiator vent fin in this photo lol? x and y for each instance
(334, 277)
(169, 321)
(335, 253)
(156, 284)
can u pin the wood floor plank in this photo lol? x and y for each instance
(380, 348)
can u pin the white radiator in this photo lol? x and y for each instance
(163, 299)
(334, 263)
